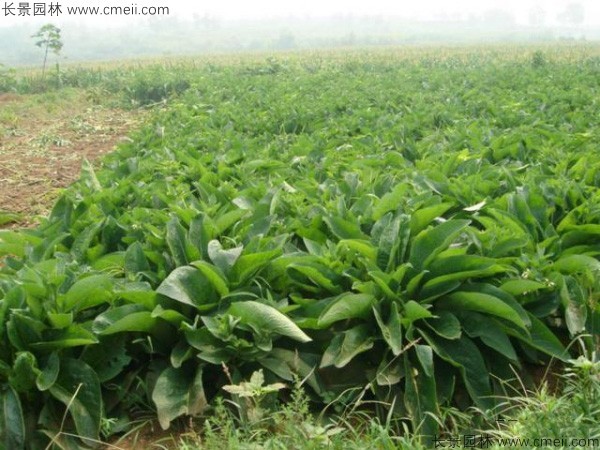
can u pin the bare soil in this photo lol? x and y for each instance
(43, 142)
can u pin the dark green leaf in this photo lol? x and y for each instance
(445, 325)
(77, 386)
(431, 242)
(176, 236)
(12, 424)
(177, 392)
(88, 292)
(345, 346)
(465, 355)
(123, 319)
(392, 329)
(47, 377)
(190, 286)
(479, 302)
(214, 275)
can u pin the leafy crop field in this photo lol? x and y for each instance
(414, 230)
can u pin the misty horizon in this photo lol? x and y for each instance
(209, 29)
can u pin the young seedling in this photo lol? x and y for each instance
(253, 392)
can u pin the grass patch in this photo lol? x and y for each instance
(534, 420)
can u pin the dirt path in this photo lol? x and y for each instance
(43, 142)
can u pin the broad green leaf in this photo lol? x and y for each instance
(412, 287)
(576, 264)
(383, 280)
(123, 319)
(201, 233)
(345, 346)
(189, 286)
(88, 292)
(465, 355)
(347, 306)
(178, 392)
(108, 358)
(214, 275)
(461, 267)
(479, 302)
(278, 367)
(432, 241)
(390, 201)
(12, 423)
(413, 312)
(248, 265)
(135, 259)
(176, 236)
(362, 247)
(393, 243)
(168, 315)
(301, 364)
(47, 377)
(392, 329)
(223, 259)
(421, 218)
(389, 373)
(486, 288)
(436, 288)
(12, 242)
(140, 293)
(23, 373)
(181, 353)
(60, 320)
(420, 398)
(84, 240)
(22, 330)
(265, 318)
(344, 229)
(225, 221)
(518, 287)
(202, 339)
(445, 324)
(425, 356)
(318, 274)
(77, 386)
(74, 335)
(543, 339)
(487, 329)
(575, 301)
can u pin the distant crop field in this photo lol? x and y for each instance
(413, 227)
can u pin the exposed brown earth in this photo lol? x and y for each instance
(43, 142)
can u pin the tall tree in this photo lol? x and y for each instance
(48, 38)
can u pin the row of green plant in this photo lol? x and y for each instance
(132, 85)
(149, 82)
(405, 232)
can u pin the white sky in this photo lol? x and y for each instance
(253, 9)
(419, 8)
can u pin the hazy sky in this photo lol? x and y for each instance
(421, 8)
(252, 9)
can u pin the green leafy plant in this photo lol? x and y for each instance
(388, 251)
(251, 394)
